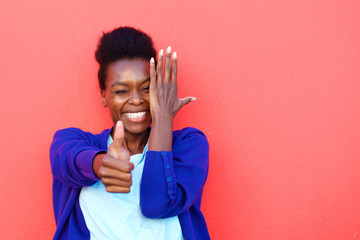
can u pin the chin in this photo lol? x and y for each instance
(136, 129)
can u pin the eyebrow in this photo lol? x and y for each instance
(124, 84)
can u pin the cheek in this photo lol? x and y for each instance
(146, 97)
(116, 103)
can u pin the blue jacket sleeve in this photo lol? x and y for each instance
(173, 181)
(71, 155)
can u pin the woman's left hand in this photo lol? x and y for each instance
(164, 102)
(163, 87)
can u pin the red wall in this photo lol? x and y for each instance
(278, 94)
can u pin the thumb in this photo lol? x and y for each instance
(182, 102)
(119, 134)
(186, 100)
(119, 142)
(117, 148)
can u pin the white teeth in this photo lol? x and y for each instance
(135, 115)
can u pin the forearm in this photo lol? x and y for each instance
(161, 133)
(71, 155)
(173, 181)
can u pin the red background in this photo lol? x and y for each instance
(278, 88)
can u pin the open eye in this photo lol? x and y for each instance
(146, 88)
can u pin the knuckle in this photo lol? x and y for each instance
(102, 172)
(109, 188)
(111, 153)
(127, 168)
(107, 159)
(105, 181)
(128, 177)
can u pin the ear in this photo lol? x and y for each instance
(103, 98)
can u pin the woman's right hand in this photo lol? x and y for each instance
(114, 167)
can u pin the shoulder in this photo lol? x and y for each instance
(188, 132)
(190, 148)
(79, 134)
(190, 135)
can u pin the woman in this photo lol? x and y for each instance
(131, 182)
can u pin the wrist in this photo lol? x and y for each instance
(161, 133)
(162, 120)
(160, 116)
(97, 162)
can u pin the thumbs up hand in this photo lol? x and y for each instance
(114, 167)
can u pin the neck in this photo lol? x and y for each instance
(136, 142)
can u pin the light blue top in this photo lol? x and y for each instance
(118, 215)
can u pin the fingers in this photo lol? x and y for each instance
(167, 66)
(116, 182)
(152, 73)
(164, 88)
(159, 67)
(117, 189)
(115, 164)
(174, 69)
(170, 66)
(116, 175)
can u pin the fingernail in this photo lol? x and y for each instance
(174, 55)
(193, 99)
(152, 60)
(161, 52)
(168, 50)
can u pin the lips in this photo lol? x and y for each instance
(136, 116)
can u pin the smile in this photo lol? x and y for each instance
(136, 115)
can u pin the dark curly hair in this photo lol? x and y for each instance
(122, 43)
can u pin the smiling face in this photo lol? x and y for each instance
(126, 94)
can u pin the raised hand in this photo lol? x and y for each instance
(163, 86)
(114, 167)
(164, 102)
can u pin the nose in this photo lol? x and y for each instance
(136, 98)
